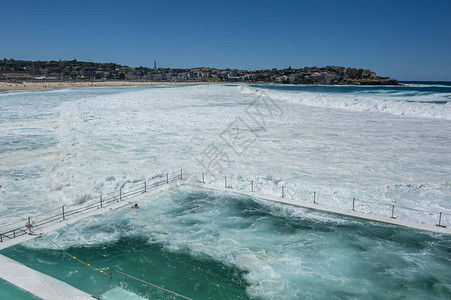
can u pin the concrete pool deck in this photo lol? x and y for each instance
(37, 283)
(326, 209)
(46, 287)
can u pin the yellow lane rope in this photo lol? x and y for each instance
(65, 252)
(325, 275)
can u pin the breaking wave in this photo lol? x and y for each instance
(408, 103)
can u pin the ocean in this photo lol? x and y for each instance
(382, 145)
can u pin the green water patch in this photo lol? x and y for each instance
(10, 291)
(194, 277)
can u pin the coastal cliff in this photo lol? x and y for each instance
(331, 75)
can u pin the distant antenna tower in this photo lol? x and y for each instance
(154, 64)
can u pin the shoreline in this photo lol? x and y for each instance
(6, 86)
(32, 85)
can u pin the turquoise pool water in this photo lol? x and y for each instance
(211, 245)
(10, 291)
(178, 272)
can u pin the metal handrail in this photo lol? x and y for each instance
(22, 230)
(162, 179)
(6, 234)
(167, 178)
(148, 284)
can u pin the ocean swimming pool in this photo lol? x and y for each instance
(10, 291)
(210, 245)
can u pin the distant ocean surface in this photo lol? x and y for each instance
(382, 145)
(427, 83)
(412, 98)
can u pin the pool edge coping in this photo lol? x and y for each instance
(14, 273)
(32, 281)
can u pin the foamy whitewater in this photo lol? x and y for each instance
(380, 145)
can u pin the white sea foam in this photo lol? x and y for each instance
(417, 105)
(423, 85)
(112, 138)
(281, 258)
(120, 294)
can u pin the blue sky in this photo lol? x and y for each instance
(407, 40)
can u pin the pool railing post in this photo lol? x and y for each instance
(203, 177)
(145, 187)
(440, 221)
(120, 194)
(314, 197)
(353, 200)
(167, 178)
(225, 181)
(63, 212)
(252, 186)
(283, 192)
(393, 211)
(181, 174)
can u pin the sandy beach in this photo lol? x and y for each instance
(33, 85)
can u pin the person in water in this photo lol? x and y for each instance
(135, 207)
